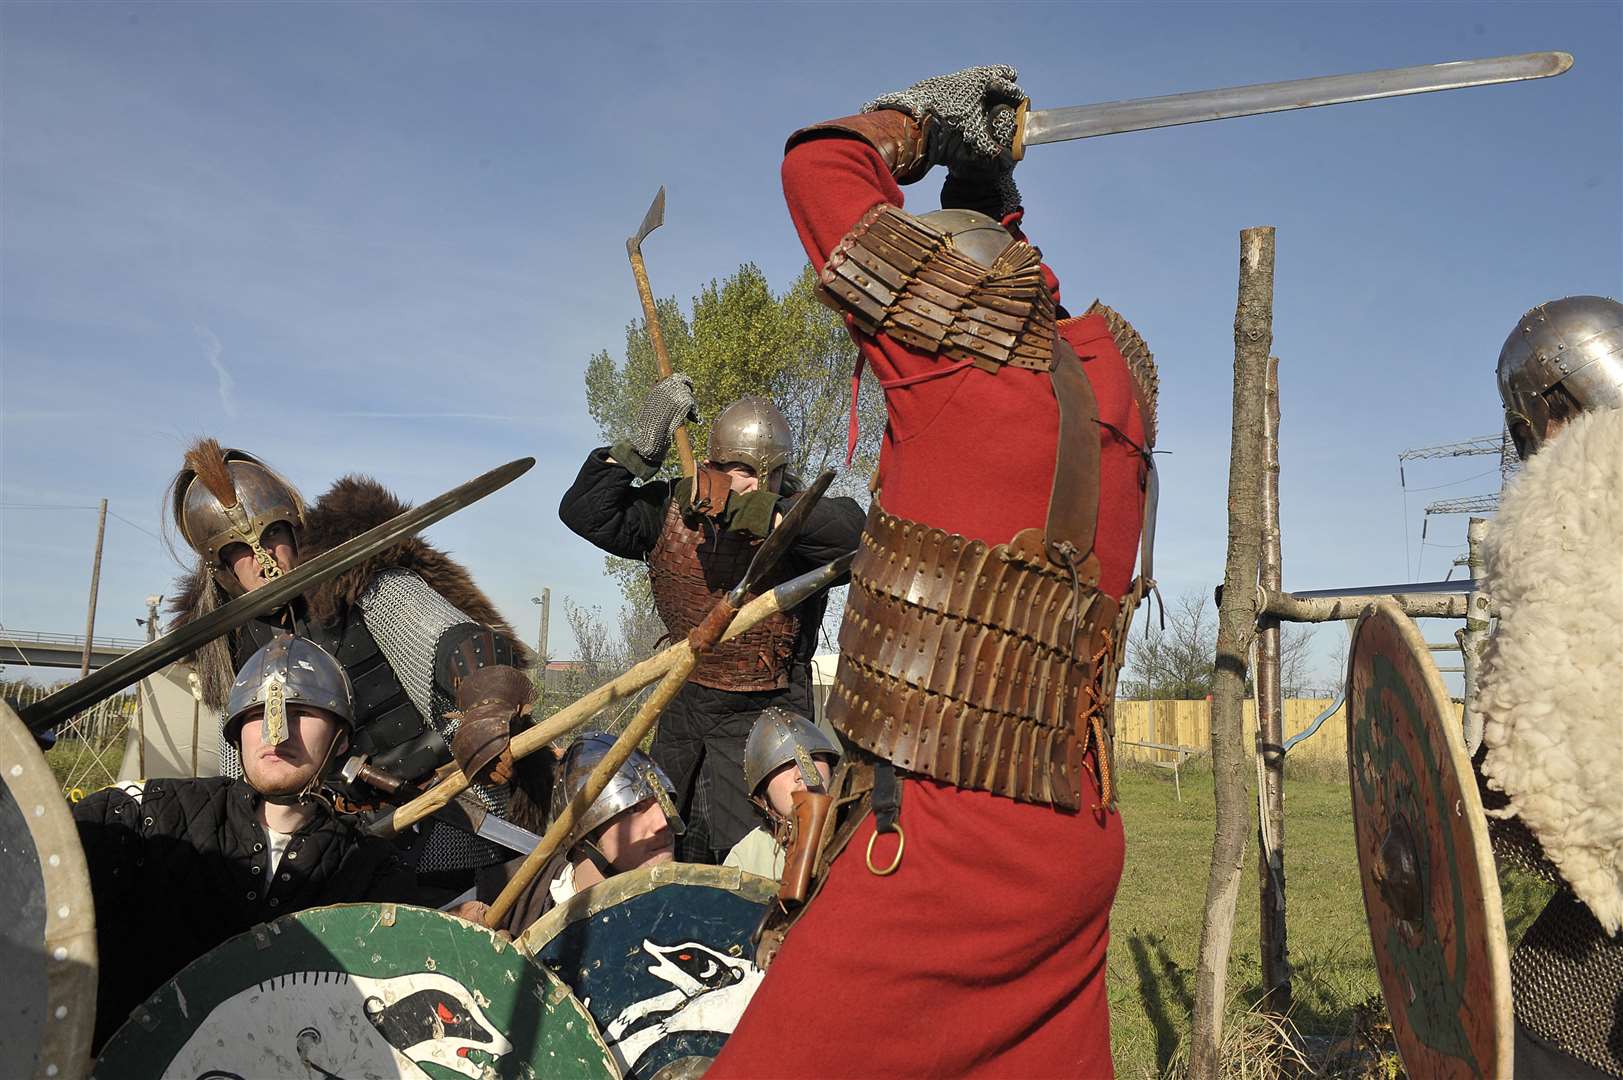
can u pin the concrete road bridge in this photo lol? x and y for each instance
(28, 649)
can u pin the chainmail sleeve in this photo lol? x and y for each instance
(407, 618)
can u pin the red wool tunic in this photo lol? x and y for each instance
(984, 954)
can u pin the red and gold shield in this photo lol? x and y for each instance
(1429, 884)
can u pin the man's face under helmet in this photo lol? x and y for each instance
(300, 705)
(1563, 357)
(224, 497)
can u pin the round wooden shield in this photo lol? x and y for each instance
(380, 991)
(662, 957)
(1430, 888)
(47, 918)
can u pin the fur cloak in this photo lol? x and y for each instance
(1551, 682)
(351, 506)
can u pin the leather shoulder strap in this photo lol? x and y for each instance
(1073, 502)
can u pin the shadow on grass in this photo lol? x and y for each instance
(1160, 976)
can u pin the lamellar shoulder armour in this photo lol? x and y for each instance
(692, 566)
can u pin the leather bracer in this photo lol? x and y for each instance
(900, 140)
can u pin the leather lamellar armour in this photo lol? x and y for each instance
(690, 568)
(982, 666)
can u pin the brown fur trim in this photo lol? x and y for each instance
(357, 503)
(205, 458)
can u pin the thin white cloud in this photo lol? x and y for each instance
(211, 352)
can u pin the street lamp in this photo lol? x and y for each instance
(545, 602)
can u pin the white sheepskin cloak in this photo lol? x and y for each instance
(1551, 682)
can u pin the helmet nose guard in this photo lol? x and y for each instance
(779, 738)
(288, 671)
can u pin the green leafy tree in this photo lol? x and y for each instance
(739, 338)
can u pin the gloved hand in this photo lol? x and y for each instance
(712, 488)
(971, 117)
(669, 405)
(492, 704)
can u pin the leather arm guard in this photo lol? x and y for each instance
(895, 274)
(492, 704)
(900, 140)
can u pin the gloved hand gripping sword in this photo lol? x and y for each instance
(700, 640)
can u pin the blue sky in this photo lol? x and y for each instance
(386, 238)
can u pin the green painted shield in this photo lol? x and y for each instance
(360, 991)
(1429, 885)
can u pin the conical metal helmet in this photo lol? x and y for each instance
(227, 496)
(1575, 343)
(779, 738)
(638, 780)
(288, 671)
(753, 431)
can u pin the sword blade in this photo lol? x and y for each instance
(472, 816)
(137, 665)
(1114, 117)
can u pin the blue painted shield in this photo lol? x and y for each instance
(662, 958)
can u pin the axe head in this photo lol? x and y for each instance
(651, 221)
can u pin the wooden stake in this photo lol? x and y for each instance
(1276, 972)
(1475, 635)
(1236, 628)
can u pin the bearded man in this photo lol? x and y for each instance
(408, 625)
(179, 866)
(1551, 681)
(961, 927)
(698, 536)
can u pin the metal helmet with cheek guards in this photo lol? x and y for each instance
(288, 671)
(780, 738)
(225, 496)
(638, 780)
(1575, 343)
(753, 431)
(974, 235)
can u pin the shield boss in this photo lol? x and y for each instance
(1430, 888)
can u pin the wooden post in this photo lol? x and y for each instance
(140, 700)
(95, 583)
(1276, 972)
(1236, 628)
(1475, 635)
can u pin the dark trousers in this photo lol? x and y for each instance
(700, 745)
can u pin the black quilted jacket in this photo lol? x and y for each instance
(184, 868)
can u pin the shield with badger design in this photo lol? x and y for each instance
(360, 990)
(662, 957)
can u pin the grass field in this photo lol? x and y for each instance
(1156, 922)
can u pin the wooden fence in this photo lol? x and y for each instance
(1189, 723)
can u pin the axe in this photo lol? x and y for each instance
(651, 221)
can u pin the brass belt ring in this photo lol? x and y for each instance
(901, 842)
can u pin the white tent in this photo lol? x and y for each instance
(176, 734)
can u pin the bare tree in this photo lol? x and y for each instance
(1174, 661)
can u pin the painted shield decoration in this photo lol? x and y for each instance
(48, 926)
(661, 956)
(1430, 888)
(363, 992)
